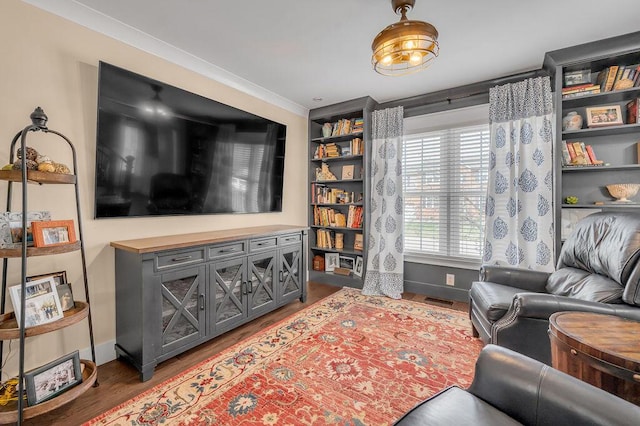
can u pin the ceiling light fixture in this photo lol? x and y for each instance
(406, 46)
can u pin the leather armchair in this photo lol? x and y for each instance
(511, 389)
(598, 270)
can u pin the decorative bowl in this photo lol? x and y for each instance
(623, 191)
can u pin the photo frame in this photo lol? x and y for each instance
(573, 78)
(11, 227)
(331, 261)
(66, 296)
(53, 233)
(347, 262)
(358, 269)
(52, 379)
(59, 277)
(606, 115)
(42, 304)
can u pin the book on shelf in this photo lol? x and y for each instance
(572, 152)
(354, 217)
(566, 158)
(611, 78)
(358, 243)
(358, 125)
(633, 116)
(593, 89)
(579, 154)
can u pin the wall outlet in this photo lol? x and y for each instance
(451, 279)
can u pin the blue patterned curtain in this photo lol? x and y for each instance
(385, 261)
(519, 211)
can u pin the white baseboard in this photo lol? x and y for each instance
(105, 352)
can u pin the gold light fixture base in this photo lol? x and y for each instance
(406, 46)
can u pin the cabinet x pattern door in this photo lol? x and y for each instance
(260, 287)
(290, 267)
(229, 292)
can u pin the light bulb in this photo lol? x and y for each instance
(387, 60)
(415, 58)
(409, 44)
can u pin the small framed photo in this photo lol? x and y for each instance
(346, 151)
(359, 267)
(42, 304)
(331, 261)
(53, 233)
(347, 172)
(59, 277)
(608, 115)
(66, 296)
(52, 379)
(346, 262)
(573, 78)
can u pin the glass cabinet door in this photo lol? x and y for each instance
(183, 310)
(290, 282)
(261, 288)
(227, 280)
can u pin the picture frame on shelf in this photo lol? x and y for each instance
(331, 261)
(53, 379)
(66, 297)
(573, 78)
(11, 227)
(346, 151)
(605, 115)
(358, 268)
(42, 304)
(59, 277)
(53, 233)
(347, 262)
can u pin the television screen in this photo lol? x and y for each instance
(165, 151)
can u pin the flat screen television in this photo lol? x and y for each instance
(164, 151)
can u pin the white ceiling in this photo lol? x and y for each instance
(292, 51)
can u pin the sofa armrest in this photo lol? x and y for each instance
(525, 279)
(541, 306)
(533, 393)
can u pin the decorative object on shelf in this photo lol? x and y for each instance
(66, 296)
(339, 241)
(9, 391)
(347, 172)
(53, 233)
(36, 161)
(318, 262)
(54, 378)
(358, 243)
(331, 261)
(606, 115)
(323, 173)
(571, 200)
(406, 46)
(342, 271)
(327, 129)
(572, 121)
(42, 305)
(358, 267)
(623, 191)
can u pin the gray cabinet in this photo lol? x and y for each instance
(171, 299)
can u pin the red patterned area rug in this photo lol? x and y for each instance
(348, 359)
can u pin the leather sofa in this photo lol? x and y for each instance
(598, 270)
(511, 389)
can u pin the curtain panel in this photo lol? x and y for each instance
(385, 261)
(519, 227)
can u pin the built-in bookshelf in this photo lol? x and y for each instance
(339, 140)
(599, 83)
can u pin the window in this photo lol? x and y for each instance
(444, 182)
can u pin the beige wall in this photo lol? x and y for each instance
(50, 62)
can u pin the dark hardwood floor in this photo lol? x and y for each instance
(120, 382)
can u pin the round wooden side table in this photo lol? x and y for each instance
(603, 350)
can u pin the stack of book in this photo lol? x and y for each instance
(331, 150)
(321, 194)
(618, 77)
(579, 154)
(358, 125)
(580, 90)
(354, 217)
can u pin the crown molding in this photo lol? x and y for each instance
(101, 23)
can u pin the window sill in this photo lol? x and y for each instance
(440, 261)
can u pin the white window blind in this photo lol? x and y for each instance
(444, 180)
